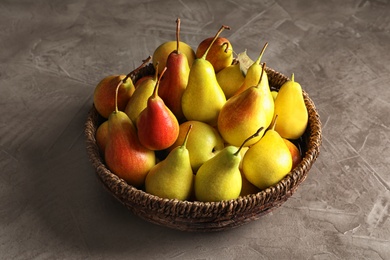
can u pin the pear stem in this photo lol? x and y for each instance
(186, 137)
(215, 38)
(274, 122)
(177, 34)
(116, 95)
(249, 138)
(144, 62)
(155, 91)
(261, 53)
(292, 77)
(262, 73)
(227, 46)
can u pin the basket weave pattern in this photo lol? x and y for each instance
(207, 216)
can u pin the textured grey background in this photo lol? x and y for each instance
(53, 53)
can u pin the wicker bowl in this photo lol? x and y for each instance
(207, 216)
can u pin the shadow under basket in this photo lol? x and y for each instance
(207, 216)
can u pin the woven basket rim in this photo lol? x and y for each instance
(203, 216)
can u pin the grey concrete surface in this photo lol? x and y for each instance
(53, 53)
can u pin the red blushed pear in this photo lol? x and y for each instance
(104, 94)
(157, 126)
(175, 79)
(124, 155)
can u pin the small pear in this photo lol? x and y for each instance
(175, 79)
(172, 178)
(268, 161)
(203, 98)
(253, 73)
(291, 110)
(295, 153)
(157, 126)
(101, 136)
(220, 178)
(242, 114)
(124, 155)
(139, 99)
(104, 94)
(230, 79)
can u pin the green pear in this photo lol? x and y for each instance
(123, 154)
(220, 178)
(173, 177)
(139, 99)
(243, 113)
(203, 98)
(230, 79)
(253, 73)
(175, 79)
(268, 161)
(291, 110)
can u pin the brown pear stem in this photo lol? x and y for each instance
(262, 73)
(177, 34)
(261, 53)
(274, 122)
(186, 137)
(227, 46)
(249, 138)
(116, 95)
(144, 62)
(155, 91)
(223, 27)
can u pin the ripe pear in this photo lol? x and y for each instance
(157, 126)
(295, 153)
(172, 178)
(175, 79)
(220, 178)
(230, 79)
(291, 110)
(203, 98)
(124, 155)
(268, 161)
(139, 99)
(220, 54)
(242, 114)
(102, 136)
(203, 143)
(162, 52)
(253, 73)
(104, 94)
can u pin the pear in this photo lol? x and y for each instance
(220, 178)
(101, 136)
(295, 153)
(253, 73)
(242, 114)
(157, 126)
(124, 155)
(291, 110)
(104, 93)
(172, 178)
(230, 79)
(162, 52)
(268, 161)
(204, 142)
(220, 54)
(203, 98)
(139, 99)
(175, 79)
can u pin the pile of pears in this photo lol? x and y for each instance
(205, 126)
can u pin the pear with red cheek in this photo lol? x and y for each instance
(220, 54)
(157, 126)
(104, 94)
(175, 79)
(123, 153)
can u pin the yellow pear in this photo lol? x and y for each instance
(203, 98)
(268, 161)
(230, 79)
(291, 110)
